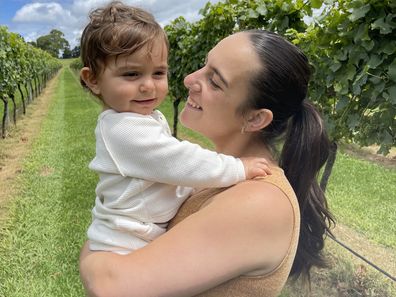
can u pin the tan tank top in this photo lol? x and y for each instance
(269, 284)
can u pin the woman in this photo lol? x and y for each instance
(244, 240)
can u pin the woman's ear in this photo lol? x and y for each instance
(258, 119)
(90, 80)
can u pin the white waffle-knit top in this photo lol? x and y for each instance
(145, 174)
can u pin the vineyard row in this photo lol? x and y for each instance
(24, 72)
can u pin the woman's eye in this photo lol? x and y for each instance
(213, 83)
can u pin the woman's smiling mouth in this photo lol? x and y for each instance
(193, 104)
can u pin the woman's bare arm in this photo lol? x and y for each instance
(246, 228)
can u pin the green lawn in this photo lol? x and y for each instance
(362, 195)
(39, 245)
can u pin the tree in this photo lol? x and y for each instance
(33, 43)
(67, 53)
(352, 47)
(52, 43)
(75, 52)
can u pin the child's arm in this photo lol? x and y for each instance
(141, 148)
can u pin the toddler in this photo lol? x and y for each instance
(144, 173)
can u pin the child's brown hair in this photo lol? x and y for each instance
(117, 29)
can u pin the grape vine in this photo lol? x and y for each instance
(24, 70)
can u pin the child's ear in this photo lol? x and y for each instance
(258, 119)
(90, 80)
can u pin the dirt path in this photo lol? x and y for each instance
(15, 147)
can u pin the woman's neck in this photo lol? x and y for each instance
(245, 146)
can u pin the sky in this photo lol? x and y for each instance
(35, 18)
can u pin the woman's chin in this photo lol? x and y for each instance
(185, 118)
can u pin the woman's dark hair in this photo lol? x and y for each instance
(281, 86)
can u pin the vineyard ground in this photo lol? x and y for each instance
(16, 146)
(370, 154)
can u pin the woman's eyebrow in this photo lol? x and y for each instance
(217, 72)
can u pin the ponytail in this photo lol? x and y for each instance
(305, 151)
(281, 85)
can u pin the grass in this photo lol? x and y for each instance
(40, 243)
(363, 196)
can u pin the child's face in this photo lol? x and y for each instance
(136, 83)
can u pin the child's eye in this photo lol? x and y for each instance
(130, 74)
(160, 73)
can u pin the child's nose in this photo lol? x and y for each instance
(146, 85)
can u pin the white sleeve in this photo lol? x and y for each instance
(140, 147)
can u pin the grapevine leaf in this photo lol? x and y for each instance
(358, 13)
(316, 4)
(392, 70)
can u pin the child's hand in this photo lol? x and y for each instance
(255, 167)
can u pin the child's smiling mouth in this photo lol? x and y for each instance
(145, 102)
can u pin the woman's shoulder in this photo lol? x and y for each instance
(268, 201)
(258, 211)
(253, 219)
(273, 188)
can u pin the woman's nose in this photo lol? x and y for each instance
(191, 82)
